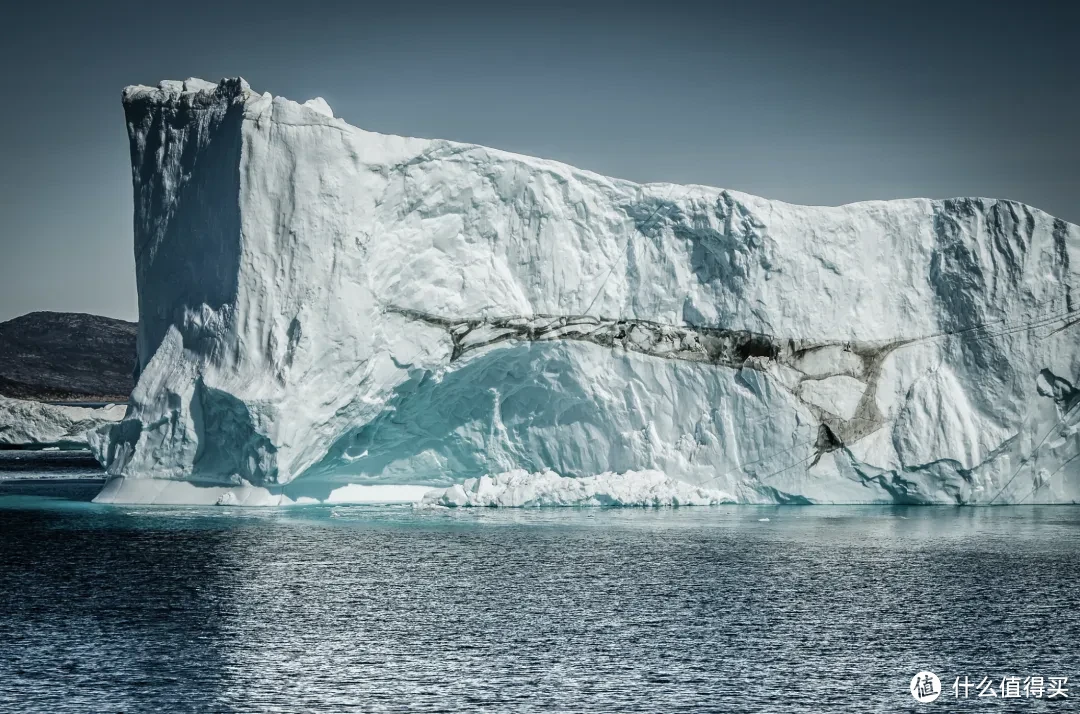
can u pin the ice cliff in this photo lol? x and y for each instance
(321, 305)
(35, 425)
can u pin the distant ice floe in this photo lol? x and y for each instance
(521, 489)
(512, 489)
(36, 425)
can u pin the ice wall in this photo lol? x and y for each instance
(321, 305)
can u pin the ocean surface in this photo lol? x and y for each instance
(348, 608)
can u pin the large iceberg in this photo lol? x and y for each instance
(321, 305)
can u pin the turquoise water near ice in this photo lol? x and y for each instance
(332, 609)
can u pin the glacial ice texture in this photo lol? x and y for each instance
(35, 425)
(321, 305)
(521, 489)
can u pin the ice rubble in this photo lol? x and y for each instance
(521, 489)
(35, 425)
(321, 305)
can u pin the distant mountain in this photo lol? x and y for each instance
(66, 356)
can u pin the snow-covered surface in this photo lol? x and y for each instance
(27, 424)
(321, 305)
(521, 489)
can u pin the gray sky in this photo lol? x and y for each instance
(809, 102)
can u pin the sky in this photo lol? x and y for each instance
(808, 102)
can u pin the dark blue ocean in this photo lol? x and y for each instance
(339, 609)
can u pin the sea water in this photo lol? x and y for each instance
(333, 609)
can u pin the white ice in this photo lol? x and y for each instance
(293, 271)
(521, 489)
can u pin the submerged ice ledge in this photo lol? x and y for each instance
(514, 489)
(168, 492)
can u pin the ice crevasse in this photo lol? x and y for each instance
(325, 308)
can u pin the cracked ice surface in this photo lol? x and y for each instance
(323, 306)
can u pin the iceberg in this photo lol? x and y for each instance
(26, 424)
(324, 307)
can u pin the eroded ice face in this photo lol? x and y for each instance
(322, 306)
